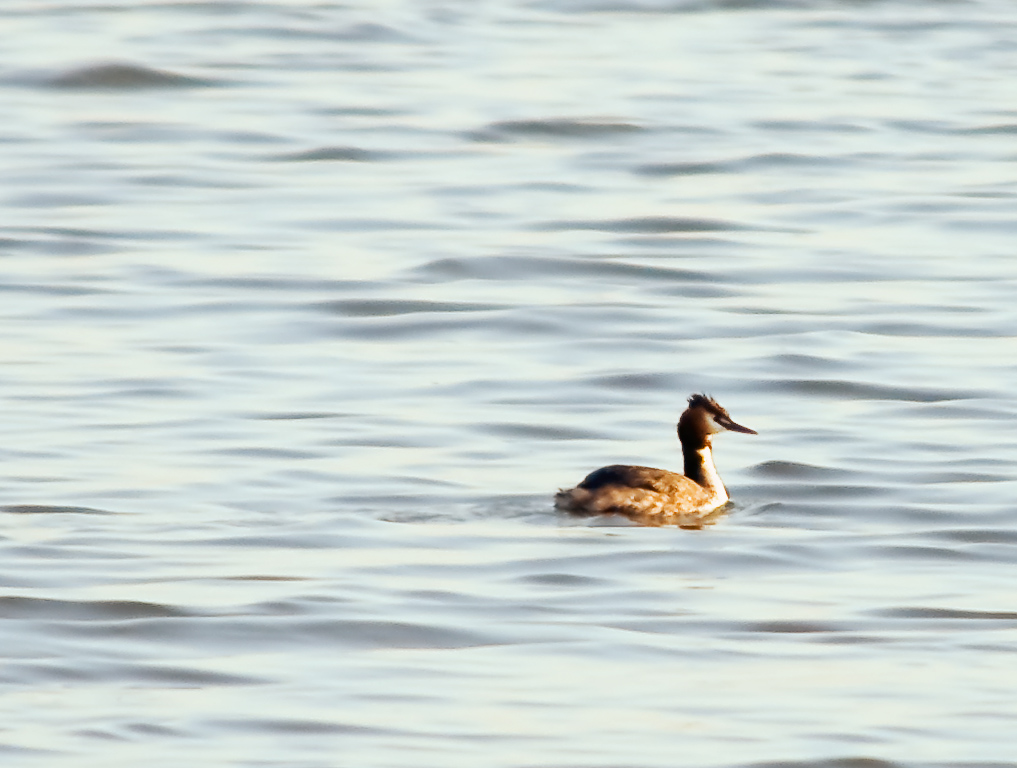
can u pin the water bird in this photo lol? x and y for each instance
(656, 495)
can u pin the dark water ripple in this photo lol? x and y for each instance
(554, 128)
(647, 225)
(122, 76)
(334, 154)
(15, 607)
(771, 161)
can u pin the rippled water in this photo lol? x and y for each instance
(309, 308)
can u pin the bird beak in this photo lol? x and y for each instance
(731, 426)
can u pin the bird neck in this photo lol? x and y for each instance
(699, 466)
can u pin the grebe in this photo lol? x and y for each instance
(656, 494)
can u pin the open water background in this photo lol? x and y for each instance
(309, 307)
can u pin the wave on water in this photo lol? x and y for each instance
(121, 76)
(647, 225)
(333, 154)
(43, 509)
(553, 128)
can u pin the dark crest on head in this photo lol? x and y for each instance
(707, 403)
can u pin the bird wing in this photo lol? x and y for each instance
(658, 480)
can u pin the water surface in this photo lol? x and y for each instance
(309, 308)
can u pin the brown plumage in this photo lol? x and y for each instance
(656, 495)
